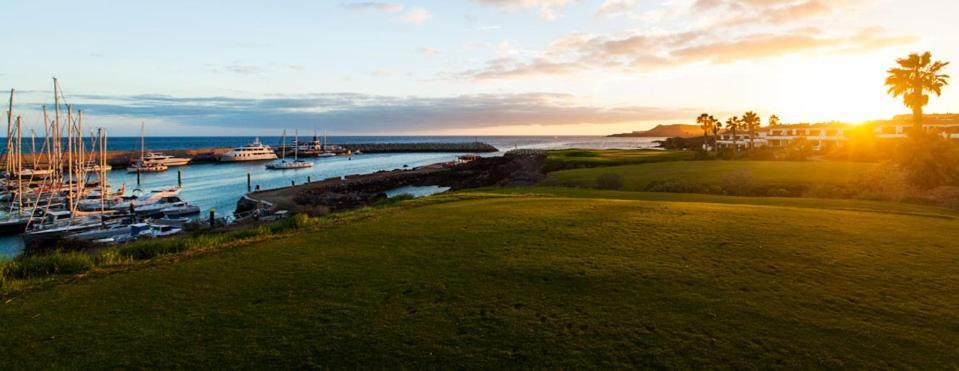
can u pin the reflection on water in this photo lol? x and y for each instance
(416, 191)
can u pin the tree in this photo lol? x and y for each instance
(733, 124)
(716, 125)
(704, 123)
(751, 122)
(774, 120)
(915, 76)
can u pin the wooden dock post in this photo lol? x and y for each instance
(138, 177)
(179, 179)
(308, 179)
(292, 183)
(248, 183)
(212, 218)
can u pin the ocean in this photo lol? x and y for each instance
(218, 186)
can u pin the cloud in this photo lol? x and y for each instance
(360, 113)
(374, 6)
(417, 16)
(239, 68)
(638, 52)
(428, 51)
(742, 12)
(615, 7)
(547, 9)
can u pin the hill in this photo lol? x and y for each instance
(543, 280)
(666, 131)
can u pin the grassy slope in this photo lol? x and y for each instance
(567, 158)
(636, 177)
(548, 281)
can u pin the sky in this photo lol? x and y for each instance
(464, 67)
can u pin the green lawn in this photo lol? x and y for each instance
(575, 158)
(786, 173)
(584, 280)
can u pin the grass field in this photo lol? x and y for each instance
(575, 158)
(586, 279)
(785, 173)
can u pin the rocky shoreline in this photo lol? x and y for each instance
(515, 168)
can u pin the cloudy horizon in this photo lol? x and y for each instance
(472, 67)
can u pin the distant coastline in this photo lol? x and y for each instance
(664, 131)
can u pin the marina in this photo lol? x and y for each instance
(217, 186)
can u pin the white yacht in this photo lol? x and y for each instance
(255, 151)
(157, 157)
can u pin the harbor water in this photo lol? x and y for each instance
(218, 186)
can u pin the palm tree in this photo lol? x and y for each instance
(733, 124)
(716, 126)
(915, 76)
(704, 123)
(751, 121)
(774, 120)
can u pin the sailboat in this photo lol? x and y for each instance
(144, 166)
(283, 164)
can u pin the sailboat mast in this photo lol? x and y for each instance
(58, 164)
(9, 162)
(70, 180)
(46, 136)
(103, 170)
(19, 170)
(142, 143)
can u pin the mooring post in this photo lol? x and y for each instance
(212, 218)
(248, 183)
(138, 177)
(179, 178)
(308, 179)
(292, 183)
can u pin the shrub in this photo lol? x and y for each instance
(148, 249)
(675, 186)
(581, 153)
(778, 192)
(32, 266)
(739, 183)
(392, 200)
(929, 161)
(609, 181)
(886, 182)
(828, 191)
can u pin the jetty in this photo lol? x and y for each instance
(473, 147)
(353, 191)
(120, 159)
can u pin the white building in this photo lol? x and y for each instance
(829, 135)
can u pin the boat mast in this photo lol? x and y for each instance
(8, 164)
(142, 144)
(103, 171)
(19, 170)
(58, 164)
(46, 137)
(70, 181)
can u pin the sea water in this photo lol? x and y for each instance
(218, 186)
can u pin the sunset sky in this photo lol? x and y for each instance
(470, 67)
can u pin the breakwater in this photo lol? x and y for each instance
(352, 191)
(119, 159)
(473, 147)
